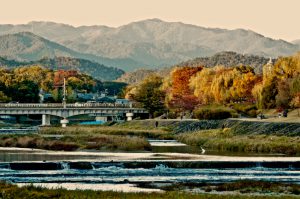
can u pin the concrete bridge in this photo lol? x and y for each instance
(68, 110)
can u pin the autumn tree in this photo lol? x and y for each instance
(222, 85)
(181, 96)
(23, 84)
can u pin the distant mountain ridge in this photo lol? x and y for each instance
(93, 69)
(26, 46)
(154, 43)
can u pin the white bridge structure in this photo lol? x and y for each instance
(65, 111)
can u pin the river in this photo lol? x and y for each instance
(139, 171)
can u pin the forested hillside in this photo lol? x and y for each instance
(136, 76)
(96, 70)
(229, 59)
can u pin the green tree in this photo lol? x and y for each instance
(26, 91)
(4, 98)
(149, 94)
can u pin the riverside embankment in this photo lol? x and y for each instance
(237, 125)
(232, 135)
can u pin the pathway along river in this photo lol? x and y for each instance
(138, 171)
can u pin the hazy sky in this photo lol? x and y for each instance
(272, 18)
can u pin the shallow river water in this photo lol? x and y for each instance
(139, 171)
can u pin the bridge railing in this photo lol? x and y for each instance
(74, 105)
(30, 105)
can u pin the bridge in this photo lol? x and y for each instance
(65, 111)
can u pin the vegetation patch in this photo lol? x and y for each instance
(218, 112)
(9, 191)
(241, 187)
(72, 143)
(226, 140)
(121, 130)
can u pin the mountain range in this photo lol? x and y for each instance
(26, 46)
(149, 43)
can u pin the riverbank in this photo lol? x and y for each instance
(76, 142)
(124, 129)
(243, 126)
(230, 140)
(229, 135)
(9, 191)
(233, 135)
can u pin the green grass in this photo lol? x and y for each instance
(9, 191)
(225, 140)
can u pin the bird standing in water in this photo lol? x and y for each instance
(202, 150)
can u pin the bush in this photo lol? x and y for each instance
(172, 115)
(214, 113)
(247, 109)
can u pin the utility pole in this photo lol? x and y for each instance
(64, 95)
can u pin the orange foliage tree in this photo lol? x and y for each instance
(181, 96)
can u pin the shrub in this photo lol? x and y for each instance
(214, 113)
(247, 109)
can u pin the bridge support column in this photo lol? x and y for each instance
(129, 116)
(46, 120)
(64, 122)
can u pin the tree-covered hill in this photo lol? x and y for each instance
(96, 70)
(229, 59)
(135, 76)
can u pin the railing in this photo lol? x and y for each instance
(74, 105)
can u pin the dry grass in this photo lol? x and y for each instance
(108, 130)
(9, 191)
(72, 143)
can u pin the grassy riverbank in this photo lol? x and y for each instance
(13, 192)
(226, 140)
(122, 130)
(121, 137)
(76, 142)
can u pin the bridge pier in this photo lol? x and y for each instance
(129, 116)
(46, 120)
(64, 122)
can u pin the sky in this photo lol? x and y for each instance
(277, 19)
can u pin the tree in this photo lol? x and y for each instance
(181, 96)
(283, 98)
(149, 94)
(257, 94)
(269, 92)
(26, 91)
(241, 89)
(4, 98)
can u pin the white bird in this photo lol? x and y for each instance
(202, 150)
